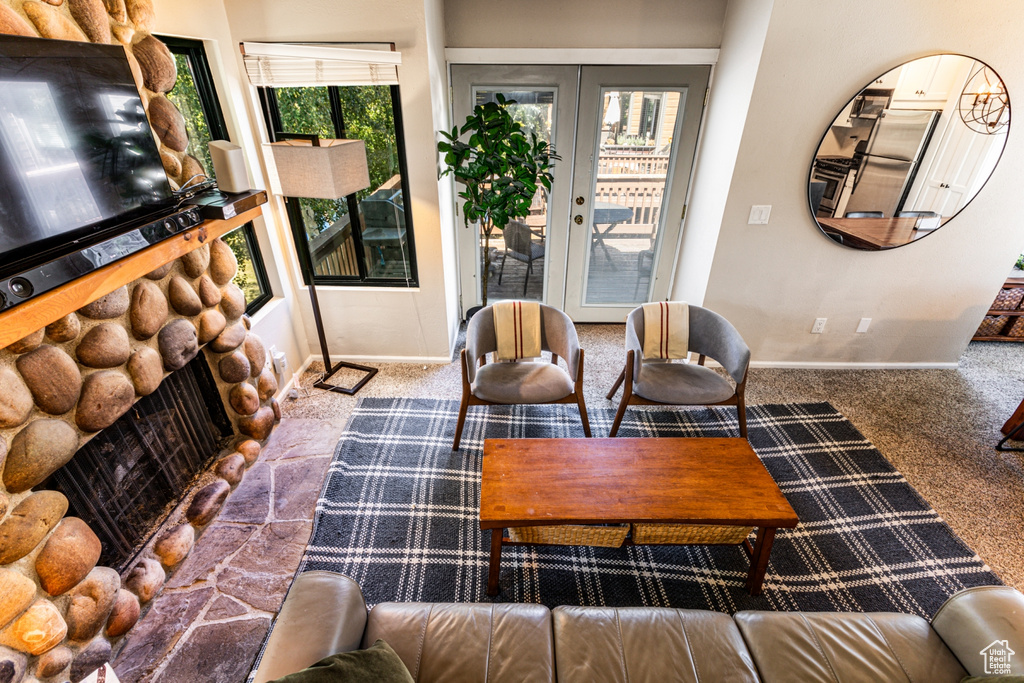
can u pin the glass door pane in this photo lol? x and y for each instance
(635, 142)
(634, 147)
(533, 253)
(518, 253)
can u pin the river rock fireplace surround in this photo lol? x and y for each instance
(75, 359)
(133, 324)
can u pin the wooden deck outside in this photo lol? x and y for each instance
(620, 271)
(621, 256)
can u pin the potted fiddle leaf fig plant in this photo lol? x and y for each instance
(499, 168)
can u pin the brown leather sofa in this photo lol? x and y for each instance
(497, 642)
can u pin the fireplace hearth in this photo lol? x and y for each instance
(125, 480)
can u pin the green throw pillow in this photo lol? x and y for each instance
(377, 664)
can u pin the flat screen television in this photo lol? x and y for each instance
(78, 161)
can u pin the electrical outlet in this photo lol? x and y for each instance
(864, 324)
(819, 325)
(759, 214)
(280, 362)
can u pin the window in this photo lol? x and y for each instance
(367, 237)
(196, 98)
(251, 278)
(649, 112)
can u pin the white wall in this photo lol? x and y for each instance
(367, 322)
(362, 322)
(446, 186)
(745, 27)
(279, 322)
(584, 23)
(925, 299)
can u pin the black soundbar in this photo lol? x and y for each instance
(30, 283)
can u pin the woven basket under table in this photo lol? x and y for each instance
(689, 534)
(1017, 328)
(610, 536)
(992, 325)
(1008, 299)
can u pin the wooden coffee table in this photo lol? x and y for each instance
(541, 482)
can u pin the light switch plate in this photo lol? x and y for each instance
(759, 214)
(863, 326)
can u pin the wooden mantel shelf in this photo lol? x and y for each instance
(44, 309)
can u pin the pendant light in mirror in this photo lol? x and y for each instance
(984, 104)
(902, 158)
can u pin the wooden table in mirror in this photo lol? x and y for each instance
(874, 233)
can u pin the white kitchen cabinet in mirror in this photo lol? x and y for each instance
(908, 152)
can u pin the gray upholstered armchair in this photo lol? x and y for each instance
(521, 381)
(655, 382)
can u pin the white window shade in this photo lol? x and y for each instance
(283, 65)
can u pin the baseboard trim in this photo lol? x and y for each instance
(411, 360)
(767, 364)
(849, 365)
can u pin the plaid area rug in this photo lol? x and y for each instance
(399, 515)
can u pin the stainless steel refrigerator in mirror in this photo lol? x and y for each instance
(890, 160)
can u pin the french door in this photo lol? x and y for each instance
(604, 239)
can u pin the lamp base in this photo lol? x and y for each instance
(326, 386)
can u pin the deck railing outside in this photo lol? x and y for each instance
(334, 250)
(632, 177)
(632, 164)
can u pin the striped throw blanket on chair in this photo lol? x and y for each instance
(666, 329)
(517, 329)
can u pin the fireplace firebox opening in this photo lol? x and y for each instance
(128, 478)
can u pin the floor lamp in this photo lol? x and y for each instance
(320, 169)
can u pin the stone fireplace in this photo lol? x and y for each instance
(75, 360)
(79, 376)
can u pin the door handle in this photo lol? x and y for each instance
(578, 220)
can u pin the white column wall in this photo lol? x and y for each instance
(732, 84)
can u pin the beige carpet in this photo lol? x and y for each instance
(938, 427)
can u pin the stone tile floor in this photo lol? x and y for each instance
(212, 616)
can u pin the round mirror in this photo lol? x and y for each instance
(908, 152)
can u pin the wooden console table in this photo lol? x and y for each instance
(1013, 314)
(709, 481)
(40, 311)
